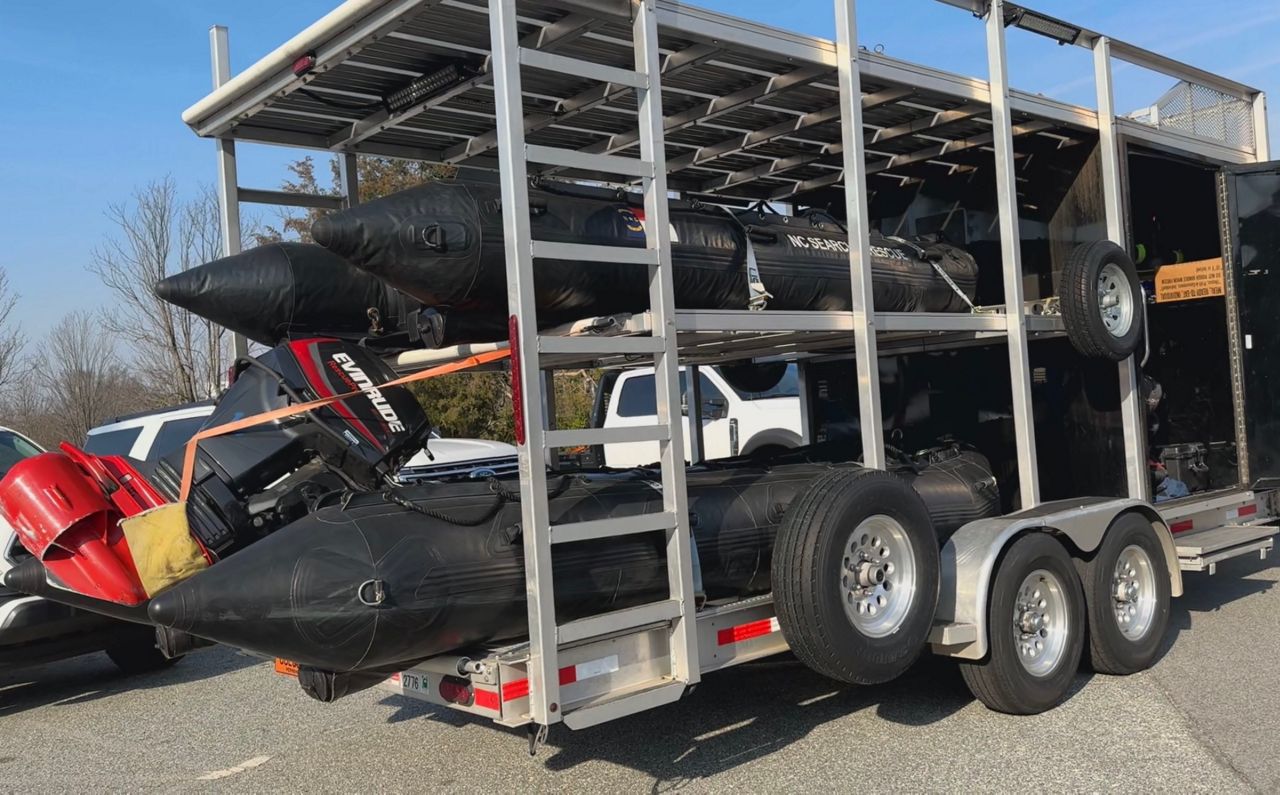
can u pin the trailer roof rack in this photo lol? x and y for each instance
(751, 111)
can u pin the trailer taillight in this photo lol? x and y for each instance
(457, 690)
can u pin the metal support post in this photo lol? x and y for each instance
(348, 171)
(544, 680)
(666, 363)
(1131, 413)
(548, 381)
(693, 414)
(806, 406)
(1261, 128)
(1011, 254)
(228, 181)
(859, 224)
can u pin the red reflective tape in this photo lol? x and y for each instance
(487, 699)
(517, 689)
(1181, 527)
(568, 675)
(754, 629)
(517, 396)
(1247, 510)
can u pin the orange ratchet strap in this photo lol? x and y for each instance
(189, 459)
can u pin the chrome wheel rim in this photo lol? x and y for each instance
(1133, 590)
(878, 576)
(1115, 300)
(1040, 622)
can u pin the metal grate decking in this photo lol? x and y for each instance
(751, 112)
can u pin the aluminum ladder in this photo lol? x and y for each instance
(676, 612)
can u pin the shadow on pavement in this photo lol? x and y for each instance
(734, 717)
(93, 676)
(1208, 593)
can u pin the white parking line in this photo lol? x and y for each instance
(247, 764)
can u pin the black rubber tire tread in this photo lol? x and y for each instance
(1110, 652)
(138, 654)
(998, 680)
(1078, 294)
(806, 598)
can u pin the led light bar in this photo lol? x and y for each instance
(1055, 29)
(423, 88)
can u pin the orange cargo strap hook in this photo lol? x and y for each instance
(189, 457)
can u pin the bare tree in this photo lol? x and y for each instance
(80, 379)
(11, 339)
(181, 355)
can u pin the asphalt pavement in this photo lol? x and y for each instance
(1206, 718)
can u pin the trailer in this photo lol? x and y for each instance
(658, 99)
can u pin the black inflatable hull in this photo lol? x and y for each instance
(374, 586)
(442, 244)
(286, 290)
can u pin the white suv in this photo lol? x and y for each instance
(734, 421)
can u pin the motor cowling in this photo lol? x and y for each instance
(249, 482)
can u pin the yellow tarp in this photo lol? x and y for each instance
(162, 547)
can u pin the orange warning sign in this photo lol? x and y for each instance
(1190, 280)
(286, 667)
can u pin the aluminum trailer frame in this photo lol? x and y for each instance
(658, 95)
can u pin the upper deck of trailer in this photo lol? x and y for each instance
(752, 111)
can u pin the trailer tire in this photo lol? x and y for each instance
(1126, 628)
(1036, 598)
(1101, 272)
(855, 576)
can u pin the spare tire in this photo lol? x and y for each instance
(1102, 301)
(752, 377)
(855, 576)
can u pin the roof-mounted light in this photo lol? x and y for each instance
(1047, 26)
(423, 88)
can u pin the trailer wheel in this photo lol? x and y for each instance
(1127, 593)
(855, 576)
(1102, 304)
(1035, 623)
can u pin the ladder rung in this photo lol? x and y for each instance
(618, 621)
(656, 696)
(601, 346)
(586, 437)
(539, 59)
(585, 252)
(612, 527)
(572, 158)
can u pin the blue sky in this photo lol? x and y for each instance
(92, 94)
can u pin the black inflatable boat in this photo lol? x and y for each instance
(319, 557)
(440, 246)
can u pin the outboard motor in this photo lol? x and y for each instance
(250, 482)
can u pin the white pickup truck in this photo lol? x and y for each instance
(734, 421)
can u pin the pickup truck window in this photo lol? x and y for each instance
(789, 386)
(638, 398)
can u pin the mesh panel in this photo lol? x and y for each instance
(1203, 112)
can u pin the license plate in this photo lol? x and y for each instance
(412, 681)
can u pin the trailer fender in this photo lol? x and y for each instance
(970, 557)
